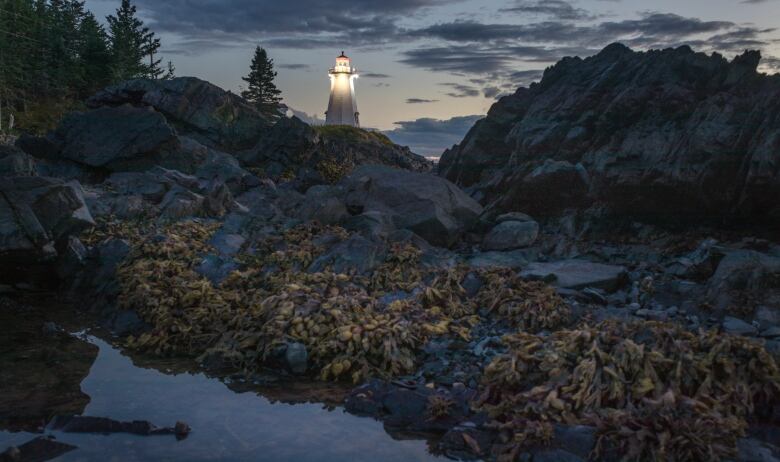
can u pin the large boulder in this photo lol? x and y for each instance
(745, 279)
(116, 138)
(205, 112)
(428, 205)
(662, 135)
(37, 215)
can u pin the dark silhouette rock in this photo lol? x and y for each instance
(199, 109)
(659, 135)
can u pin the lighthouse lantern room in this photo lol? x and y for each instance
(342, 106)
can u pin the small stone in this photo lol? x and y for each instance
(511, 235)
(771, 332)
(736, 326)
(181, 430)
(297, 358)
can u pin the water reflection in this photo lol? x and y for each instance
(226, 425)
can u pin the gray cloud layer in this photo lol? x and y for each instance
(429, 137)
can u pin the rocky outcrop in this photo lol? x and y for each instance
(116, 138)
(37, 215)
(428, 205)
(205, 112)
(324, 154)
(661, 135)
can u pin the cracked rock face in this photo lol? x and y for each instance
(663, 135)
(37, 213)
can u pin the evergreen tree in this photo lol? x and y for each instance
(132, 45)
(170, 72)
(95, 56)
(54, 53)
(262, 91)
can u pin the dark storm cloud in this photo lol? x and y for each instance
(420, 101)
(430, 137)
(480, 48)
(486, 59)
(558, 9)
(302, 23)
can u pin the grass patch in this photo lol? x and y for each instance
(351, 134)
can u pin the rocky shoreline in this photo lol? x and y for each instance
(534, 324)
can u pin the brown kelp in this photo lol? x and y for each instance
(631, 379)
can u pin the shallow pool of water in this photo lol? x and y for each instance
(225, 425)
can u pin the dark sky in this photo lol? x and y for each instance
(430, 67)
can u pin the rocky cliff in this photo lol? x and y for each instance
(662, 135)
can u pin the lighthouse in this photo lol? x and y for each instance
(342, 106)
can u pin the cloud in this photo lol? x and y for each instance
(420, 101)
(294, 66)
(460, 90)
(473, 48)
(430, 137)
(558, 9)
(491, 92)
(298, 24)
(374, 75)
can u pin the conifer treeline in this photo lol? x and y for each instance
(54, 53)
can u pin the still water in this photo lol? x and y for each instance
(225, 425)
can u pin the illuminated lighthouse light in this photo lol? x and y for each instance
(342, 106)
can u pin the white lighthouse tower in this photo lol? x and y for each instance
(342, 107)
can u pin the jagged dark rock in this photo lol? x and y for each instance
(659, 135)
(37, 214)
(205, 112)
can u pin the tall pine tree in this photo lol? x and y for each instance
(262, 91)
(95, 56)
(133, 46)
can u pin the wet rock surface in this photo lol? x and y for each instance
(37, 450)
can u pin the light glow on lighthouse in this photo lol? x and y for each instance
(342, 106)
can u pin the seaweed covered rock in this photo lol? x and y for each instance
(205, 112)
(430, 206)
(325, 154)
(656, 391)
(663, 135)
